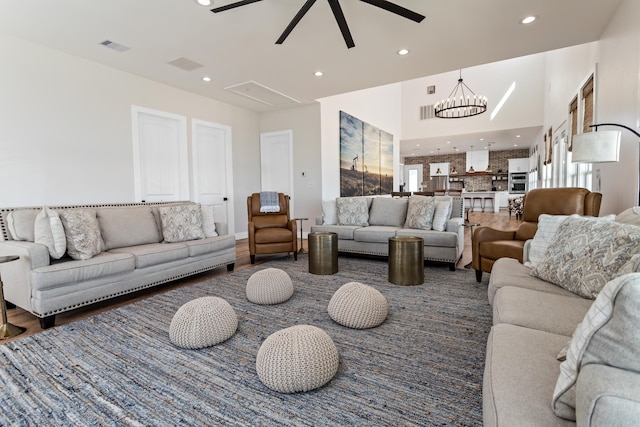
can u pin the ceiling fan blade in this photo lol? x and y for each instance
(233, 5)
(303, 10)
(342, 22)
(394, 8)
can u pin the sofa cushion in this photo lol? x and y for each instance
(20, 223)
(520, 372)
(344, 232)
(431, 237)
(155, 253)
(420, 212)
(210, 244)
(49, 231)
(67, 272)
(83, 233)
(181, 222)
(329, 212)
(127, 226)
(608, 335)
(388, 211)
(543, 311)
(374, 234)
(352, 211)
(585, 254)
(208, 221)
(509, 272)
(629, 216)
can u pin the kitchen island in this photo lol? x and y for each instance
(498, 198)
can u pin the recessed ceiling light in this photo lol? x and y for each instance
(403, 51)
(417, 145)
(204, 2)
(528, 19)
(481, 139)
(517, 136)
(515, 145)
(206, 79)
(318, 74)
(448, 142)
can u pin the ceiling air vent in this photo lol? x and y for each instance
(115, 46)
(185, 64)
(427, 112)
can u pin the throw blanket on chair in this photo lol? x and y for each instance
(269, 201)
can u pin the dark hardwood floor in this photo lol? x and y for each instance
(19, 317)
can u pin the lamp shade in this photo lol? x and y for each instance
(596, 147)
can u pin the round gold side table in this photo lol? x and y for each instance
(323, 252)
(7, 330)
(406, 260)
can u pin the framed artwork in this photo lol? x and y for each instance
(366, 158)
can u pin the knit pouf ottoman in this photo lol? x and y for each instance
(358, 306)
(203, 322)
(269, 286)
(295, 359)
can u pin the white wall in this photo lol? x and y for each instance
(66, 137)
(380, 106)
(304, 121)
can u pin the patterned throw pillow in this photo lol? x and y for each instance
(352, 211)
(49, 231)
(585, 254)
(441, 214)
(181, 223)
(329, 212)
(83, 233)
(420, 212)
(606, 336)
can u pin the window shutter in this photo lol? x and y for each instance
(587, 97)
(573, 117)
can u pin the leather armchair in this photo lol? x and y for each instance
(271, 232)
(489, 244)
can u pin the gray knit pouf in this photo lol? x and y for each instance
(358, 306)
(295, 359)
(203, 322)
(269, 286)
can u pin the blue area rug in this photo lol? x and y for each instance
(422, 366)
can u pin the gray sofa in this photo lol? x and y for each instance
(133, 257)
(533, 322)
(386, 218)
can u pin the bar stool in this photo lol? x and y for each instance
(486, 199)
(479, 200)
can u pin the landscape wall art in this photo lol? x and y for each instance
(366, 158)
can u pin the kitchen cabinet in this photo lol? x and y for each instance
(519, 165)
(479, 159)
(434, 167)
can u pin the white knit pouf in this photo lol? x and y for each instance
(358, 306)
(269, 286)
(203, 322)
(295, 359)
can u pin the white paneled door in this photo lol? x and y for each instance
(276, 163)
(212, 170)
(413, 177)
(160, 159)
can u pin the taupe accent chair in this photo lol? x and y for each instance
(271, 232)
(490, 244)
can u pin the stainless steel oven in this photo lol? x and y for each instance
(518, 182)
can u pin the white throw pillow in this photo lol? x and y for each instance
(441, 215)
(329, 212)
(48, 231)
(208, 221)
(606, 336)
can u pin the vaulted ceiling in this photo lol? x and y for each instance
(237, 46)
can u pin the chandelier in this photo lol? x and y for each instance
(468, 105)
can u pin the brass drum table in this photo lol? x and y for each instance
(406, 260)
(7, 330)
(323, 252)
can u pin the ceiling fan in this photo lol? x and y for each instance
(337, 13)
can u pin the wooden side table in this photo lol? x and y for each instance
(7, 330)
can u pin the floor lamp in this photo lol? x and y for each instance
(600, 147)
